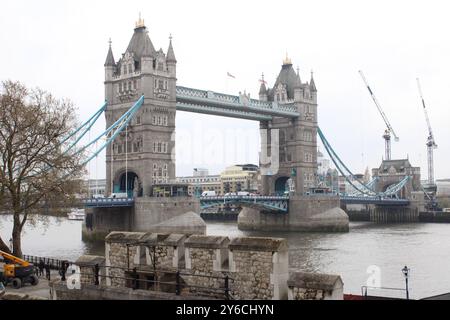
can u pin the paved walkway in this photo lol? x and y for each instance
(42, 290)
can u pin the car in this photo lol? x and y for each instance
(118, 195)
(230, 194)
(243, 193)
(209, 194)
(98, 196)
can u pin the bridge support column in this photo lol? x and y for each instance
(146, 215)
(306, 214)
(99, 222)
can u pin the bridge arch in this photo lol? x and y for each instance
(281, 185)
(127, 181)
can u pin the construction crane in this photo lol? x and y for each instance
(389, 129)
(431, 144)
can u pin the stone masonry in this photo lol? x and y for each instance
(259, 267)
(87, 269)
(309, 286)
(207, 259)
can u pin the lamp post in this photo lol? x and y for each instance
(405, 271)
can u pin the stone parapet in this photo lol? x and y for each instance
(259, 268)
(310, 286)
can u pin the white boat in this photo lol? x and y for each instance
(76, 214)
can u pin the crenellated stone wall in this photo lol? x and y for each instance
(310, 286)
(207, 259)
(259, 267)
(87, 265)
(121, 254)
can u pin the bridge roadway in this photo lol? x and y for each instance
(270, 203)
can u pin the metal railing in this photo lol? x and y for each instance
(133, 278)
(134, 281)
(364, 291)
(54, 264)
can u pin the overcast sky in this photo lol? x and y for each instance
(61, 46)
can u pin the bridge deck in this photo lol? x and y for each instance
(108, 202)
(208, 102)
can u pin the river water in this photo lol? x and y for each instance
(368, 253)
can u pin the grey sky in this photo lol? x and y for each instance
(61, 46)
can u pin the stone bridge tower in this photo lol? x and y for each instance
(297, 138)
(144, 154)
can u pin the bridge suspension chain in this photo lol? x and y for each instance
(360, 187)
(342, 168)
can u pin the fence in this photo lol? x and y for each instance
(381, 290)
(55, 264)
(178, 286)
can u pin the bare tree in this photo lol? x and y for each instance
(36, 167)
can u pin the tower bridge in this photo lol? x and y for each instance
(140, 154)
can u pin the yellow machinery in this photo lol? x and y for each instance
(17, 271)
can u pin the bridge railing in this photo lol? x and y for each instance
(108, 202)
(236, 101)
(245, 198)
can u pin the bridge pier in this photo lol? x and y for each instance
(99, 222)
(306, 214)
(142, 217)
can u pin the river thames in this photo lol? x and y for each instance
(383, 249)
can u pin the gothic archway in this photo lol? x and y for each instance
(127, 182)
(281, 185)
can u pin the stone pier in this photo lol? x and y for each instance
(306, 214)
(149, 214)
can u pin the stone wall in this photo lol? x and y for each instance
(207, 259)
(310, 286)
(87, 265)
(90, 292)
(259, 268)
(121, 254)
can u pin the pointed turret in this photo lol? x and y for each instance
(263, 89)
(170, 52)
(110, 62)
(298, 82)
(140, 44)
(312, 84)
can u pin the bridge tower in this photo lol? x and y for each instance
(143, 155)
(297, 138)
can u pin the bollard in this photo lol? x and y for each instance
(177, 286)
(227, 288)
(96, 273)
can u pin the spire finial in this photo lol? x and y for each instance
(170, 37)
(312, 73)
(140, 23)
(110, 42)
(287, 60)
(298, 70)
(262, 77)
